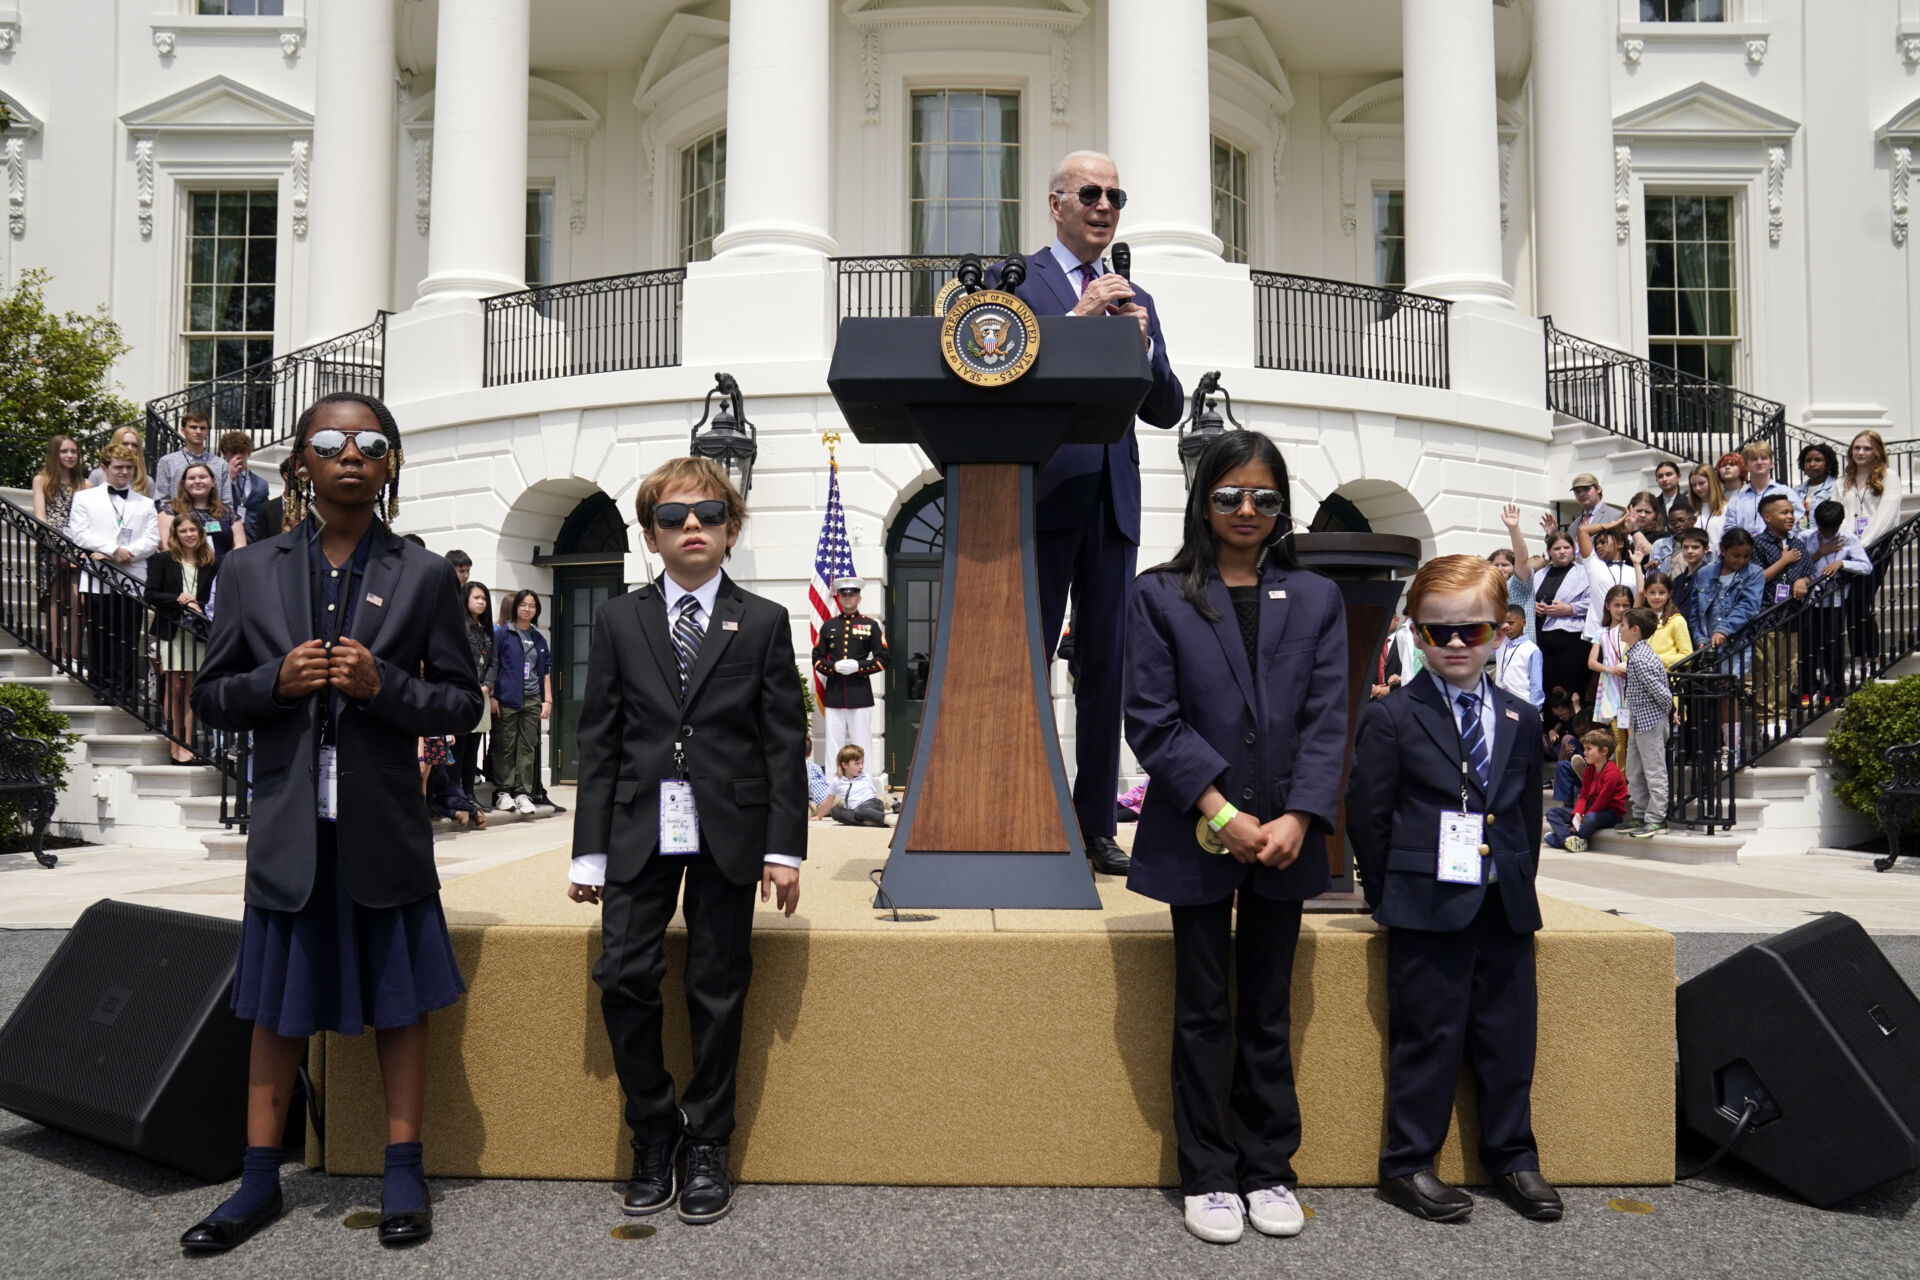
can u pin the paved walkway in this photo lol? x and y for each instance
(1760, 894)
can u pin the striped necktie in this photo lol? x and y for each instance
(687, 634)
(1472, 740)
(1086, 275)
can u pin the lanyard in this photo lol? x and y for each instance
(119, 510)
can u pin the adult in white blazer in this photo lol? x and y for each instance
(118, 526)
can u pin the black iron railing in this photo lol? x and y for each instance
(584, 326)
(1310, 325)
(266, 399)
(895, 285)
(1903, 457)
(1798, 660)
(91, 620)
(1680, 414)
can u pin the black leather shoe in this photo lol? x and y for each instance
(709, 1190)
(217, 1235)
(1530, 1195)
(542, 798)
(1107, 857)
(655, 1183)
(1423, 1195)
(398, 1229)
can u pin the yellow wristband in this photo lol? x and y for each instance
(1220, 820)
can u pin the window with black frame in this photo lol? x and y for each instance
(964, 182)
(1693, 309)
(1683, 10)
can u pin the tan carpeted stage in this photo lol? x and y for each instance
(979, 1047)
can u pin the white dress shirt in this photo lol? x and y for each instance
(591, 868)
(96, 521)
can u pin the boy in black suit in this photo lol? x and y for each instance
(693, 744)
(1444, 821)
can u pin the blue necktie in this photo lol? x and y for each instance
(687, 634)
(1472, 741)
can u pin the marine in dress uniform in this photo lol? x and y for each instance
(850, 637)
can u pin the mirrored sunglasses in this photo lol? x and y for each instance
(1227, 500)
(330, 442)
(1090, 195)
(1470, 634)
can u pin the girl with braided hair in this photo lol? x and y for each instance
(339, 645)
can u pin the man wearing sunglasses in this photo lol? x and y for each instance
(1087, 496)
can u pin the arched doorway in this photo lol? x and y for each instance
(589, 569)
(916, 545)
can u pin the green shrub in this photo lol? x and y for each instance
(36, 718)
(1877, 717)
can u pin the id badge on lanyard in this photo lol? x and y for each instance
(679, 820)
(1463, 852)
(327, 785)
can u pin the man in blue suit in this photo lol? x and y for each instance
(1087, 497)
(1443, 820)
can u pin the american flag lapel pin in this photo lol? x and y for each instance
(1276, 595)
(1513, 715)
(729, 626)
(375, 601)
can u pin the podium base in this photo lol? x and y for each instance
(1048, 880)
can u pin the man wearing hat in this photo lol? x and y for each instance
(850, 649)
(1593, 511)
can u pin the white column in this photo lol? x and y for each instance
(1452, 150)
(778, 128)
(1159, 123)
(477, 245)
(350, 238)
(769, 288)
(1576, 253)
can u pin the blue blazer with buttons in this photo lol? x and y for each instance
(1406, 772)
(1066, 488)
(1272, 738)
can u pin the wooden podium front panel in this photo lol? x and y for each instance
(988, 786)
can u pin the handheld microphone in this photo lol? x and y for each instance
(1122, 258)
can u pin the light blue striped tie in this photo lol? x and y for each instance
(687, 635)
(1472, 741)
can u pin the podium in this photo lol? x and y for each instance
(988, 820)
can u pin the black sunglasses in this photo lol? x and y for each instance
(1091, 193)
(1470, 634)
(1227, 500)
(330, 442)
(673, 515)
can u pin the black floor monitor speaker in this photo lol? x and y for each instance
(126, 1038)
(1817, 1032)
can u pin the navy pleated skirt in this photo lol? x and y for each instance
(335, 965)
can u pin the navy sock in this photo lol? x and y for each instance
(259, 1179)
(404, 1188)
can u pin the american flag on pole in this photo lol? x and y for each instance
(832, 559)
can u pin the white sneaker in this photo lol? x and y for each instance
(1215, 1217)
(503, 801)
(1274, 1212)
(524, 803)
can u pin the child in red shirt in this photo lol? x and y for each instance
(1602, 801)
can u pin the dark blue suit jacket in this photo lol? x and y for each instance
(1406, 771)
(1067, 488)
(1197, 717)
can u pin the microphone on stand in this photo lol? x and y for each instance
(1122, 258)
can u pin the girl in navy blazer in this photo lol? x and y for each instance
(1236, 707)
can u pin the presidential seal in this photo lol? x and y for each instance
(990, 338)
(943, 301)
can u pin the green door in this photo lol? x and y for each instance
(578, 593)
(915, 546)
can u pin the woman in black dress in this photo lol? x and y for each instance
(343, 923)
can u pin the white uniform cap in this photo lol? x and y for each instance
(846, 584)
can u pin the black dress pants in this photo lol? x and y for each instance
(116, 643)
(633, 960)
(1563, 663)
(1449, 993)
(1254, 1050)
(1091, 566)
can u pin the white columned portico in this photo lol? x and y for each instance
(769, 287)
(350, 243)
(1452, 151)
(476, 245)
(1159, 133)
(1576, 252)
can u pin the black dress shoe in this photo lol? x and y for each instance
(541, 797)
(1423, 1195)
(709, 1190)
(1108, 858)
(1530, 1195)
(217, 1235)
(655, 1183)
(412, 1227)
